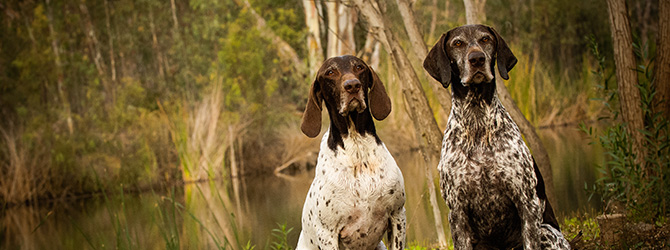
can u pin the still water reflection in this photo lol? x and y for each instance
(209, 215)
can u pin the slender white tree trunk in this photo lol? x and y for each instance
(314, 48)
(443, 97)
(347, 19)
(474, 11)
(421, 50)
(62, 94)
(332, 29)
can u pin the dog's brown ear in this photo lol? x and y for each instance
(311, 119)
(380, 103)
(437, 63)
(506, 60)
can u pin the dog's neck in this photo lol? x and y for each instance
(474, 94)
(354, 122)
(477, 109)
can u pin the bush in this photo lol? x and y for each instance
(641, 187)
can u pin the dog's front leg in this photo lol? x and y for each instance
(327, 238)
(529, 211)
(398, 226)
(461, 232)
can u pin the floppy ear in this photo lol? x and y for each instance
(506, 60)
(311, 119)
(380, 104)
(437, 63)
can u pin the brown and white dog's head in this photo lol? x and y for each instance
(347, 85)
(468, 53)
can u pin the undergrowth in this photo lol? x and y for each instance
(642, 188)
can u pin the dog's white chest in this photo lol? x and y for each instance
(355, 190)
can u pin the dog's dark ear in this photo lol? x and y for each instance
(437, 63)
(311, 119)
(506, 60)
(380, 103)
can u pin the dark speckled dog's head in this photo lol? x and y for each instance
(467, 55)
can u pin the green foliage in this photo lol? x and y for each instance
(281, 238)
(584, 224)
(552, 29)
(287, 19)
(416, 246)
(642, 187)
(92, 105)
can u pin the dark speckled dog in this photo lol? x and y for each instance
(488, 177)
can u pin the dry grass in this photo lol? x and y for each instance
(199, 136)
(548, 98)
(25, 172)
(297, 150)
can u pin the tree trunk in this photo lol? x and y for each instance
(314, 48)
(370, 51)
(629, 94)
(662, 65)
(175, 21)
(375, 58)
(62, 94)
(111, 41)
(94, 47)
(154, 44)
(474, 11)
(28, 25)
(347, 19)
(427, 132)
(285, 51)
(332, 29)
(92, 40)
(443, 97)
(643, 12)
(420, 49)
(422, 115)
(433, 20)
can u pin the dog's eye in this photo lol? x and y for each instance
(359, 67)
(486, 39)
(458, 43)
(330, 72)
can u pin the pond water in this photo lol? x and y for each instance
(206, 215)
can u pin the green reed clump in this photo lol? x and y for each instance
(280, 235)
(547, 96)
(642, 187)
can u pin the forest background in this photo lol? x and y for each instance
(101, 94)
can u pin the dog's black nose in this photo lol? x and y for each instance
(477, 59)
(352, 86)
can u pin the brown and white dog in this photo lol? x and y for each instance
(358, 192)
(488, 177)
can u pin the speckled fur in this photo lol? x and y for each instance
(487, 175)
(357, 196)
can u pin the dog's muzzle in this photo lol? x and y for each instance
(476, 68)
(352, 97)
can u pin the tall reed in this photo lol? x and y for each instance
(553, 97)
(25, 172)
(200, 135)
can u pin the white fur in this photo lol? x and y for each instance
(357, 191)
